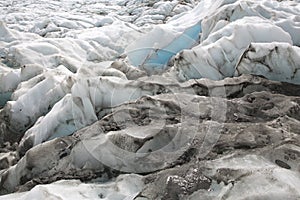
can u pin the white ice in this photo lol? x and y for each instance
(268, 60)
(228, 32)
(66, 62)
(81, 106)
(154, 50)
(124, 187)
(216, 57)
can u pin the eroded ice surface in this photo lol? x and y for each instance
(182, 150)
(156, 48)
(68, 64)
(267, 60)
(57, 64)
(231, 29)
(124, 187)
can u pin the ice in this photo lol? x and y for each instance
(8, 35)
(5, 34)
(66, 64)
(223, 40)
(78, 109)
(117, 139)
(217, 56)
(155, 58)
(283, 14)
(9, 80)
(267, 60)
(291, 26)
(154, 50)
(51, 53)
(279, 186)
(80, 48)
(143, 13)
(31, 56)
(131, 72)
(45, 66)
(36, 97)
(124, 187)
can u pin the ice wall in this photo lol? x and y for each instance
(156, 57)
(275, 61)
(216, 57)
(154, 50)
(229, 31)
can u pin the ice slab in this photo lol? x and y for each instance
(124, 187)
(275, 61)
(154, 50)
(217, 56)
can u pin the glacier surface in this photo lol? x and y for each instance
(124, 70)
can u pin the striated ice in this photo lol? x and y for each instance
(41, 92)
(267, 60)
(153, 133)
(178, 33)
(263, 180)
(79, 108)
(284, 14)
(78, 99)
(9, 80)
(155, 58)
(217, 56)
(124, 187)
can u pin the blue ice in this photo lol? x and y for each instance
(4, 97)
(160, 57)
(63, 130)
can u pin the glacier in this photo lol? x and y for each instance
(286, 55)
(219, 61)
(126, 186)
(198, 97)
(214, 57)
(156, 58)
(178, 33)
